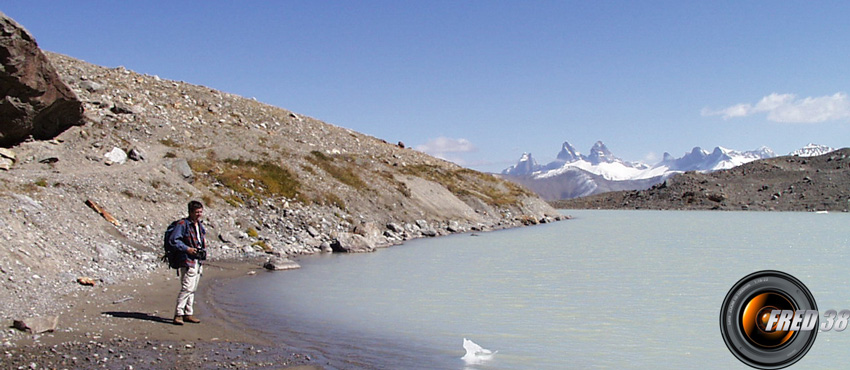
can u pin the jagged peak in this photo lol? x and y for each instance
(600, 153)
(569, 153)
(698, 150)
(525, 166)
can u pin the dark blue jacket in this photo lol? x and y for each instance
(182, 237)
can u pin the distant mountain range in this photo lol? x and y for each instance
(573, 174)
(812, 150)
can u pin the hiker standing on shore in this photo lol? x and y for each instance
(188, 239)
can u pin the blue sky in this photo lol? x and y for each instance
(481, 82)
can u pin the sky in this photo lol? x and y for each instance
(481, 82)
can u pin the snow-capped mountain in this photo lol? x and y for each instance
(600, 162)
(720, 159)
(812, 150)
(573, 174)
(526, 165)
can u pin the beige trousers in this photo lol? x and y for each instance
(189, 277)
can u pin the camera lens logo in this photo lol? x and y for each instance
(769, 320)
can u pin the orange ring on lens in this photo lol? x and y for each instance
(750, 320)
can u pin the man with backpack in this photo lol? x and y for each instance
(186, 245)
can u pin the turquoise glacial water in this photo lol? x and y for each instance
(607, 289)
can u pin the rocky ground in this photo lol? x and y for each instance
(788, 183)
(129, 354)
(93, 202)
(128, 326)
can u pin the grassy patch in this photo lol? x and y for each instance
(465, 182)
(252, 232)
(41, 182)
(266, 248)
(249, 179)
(343, 172)
(330, 199)
(169, 143)
(233, 200)
(30, 188)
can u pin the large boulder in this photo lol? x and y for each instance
(33, 99)
(281, 263)
(351, 243)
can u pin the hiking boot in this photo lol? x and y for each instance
(178, 320)
(190, 318)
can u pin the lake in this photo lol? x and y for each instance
(607, 289)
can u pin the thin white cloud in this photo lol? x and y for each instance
(651, 157)
(447, 148)
(787, 108)
(442, 145)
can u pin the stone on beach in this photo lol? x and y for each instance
(351, 243)
(36, 325)
(281, 263)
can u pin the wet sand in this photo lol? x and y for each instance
(129, 325)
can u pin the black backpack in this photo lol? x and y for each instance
(171, 255)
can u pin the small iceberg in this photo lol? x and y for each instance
(475, 354)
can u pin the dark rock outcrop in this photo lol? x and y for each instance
(35, 102)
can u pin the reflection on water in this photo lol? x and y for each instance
(608, 289)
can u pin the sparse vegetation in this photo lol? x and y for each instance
(330, 199)
(464, 182)
(399, 185)
(262, 244)
(30, 188)
(343, 173)
(41, 182)
(169, 143)
(233, 200)
(252, 232)
(249, 179)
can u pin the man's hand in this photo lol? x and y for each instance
(191, 251)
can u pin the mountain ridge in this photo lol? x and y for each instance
(786, 183)
(562, 178)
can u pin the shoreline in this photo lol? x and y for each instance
(105, 328)
(129, 325)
